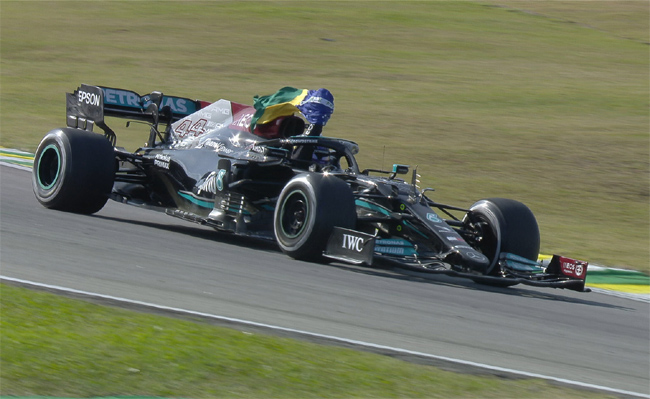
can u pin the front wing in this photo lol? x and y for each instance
(561, 272)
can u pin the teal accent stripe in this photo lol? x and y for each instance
(368, 205)
(410, 226)
(201, 203)
(237, 210)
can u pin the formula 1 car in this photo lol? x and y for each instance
(261, 171)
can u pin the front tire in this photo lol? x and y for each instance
(73, 171)
(502, 225)
(308, 208)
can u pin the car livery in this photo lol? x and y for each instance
(261, 171)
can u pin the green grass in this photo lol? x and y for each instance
(70, 348)
(542, 101)
(545, 102)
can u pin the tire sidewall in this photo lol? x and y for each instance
(514, 228)
(330, 203)
(298, 186)
(85, 171)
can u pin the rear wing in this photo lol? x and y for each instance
(88, 105)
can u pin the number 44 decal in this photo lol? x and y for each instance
(189, 129)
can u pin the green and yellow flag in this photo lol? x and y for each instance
(284, 102)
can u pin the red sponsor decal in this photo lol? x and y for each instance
(242, 119)
(573, 268)
(237, 107)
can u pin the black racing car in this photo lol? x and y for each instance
(261, 171)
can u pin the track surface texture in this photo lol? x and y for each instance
(146, 256)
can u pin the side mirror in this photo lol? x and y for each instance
(400, 169)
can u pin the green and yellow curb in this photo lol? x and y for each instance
(629, 281)
(16, 157)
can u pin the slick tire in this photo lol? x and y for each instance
(506, 226)
(73, 171)
(308, 208)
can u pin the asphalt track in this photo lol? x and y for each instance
(126, 252)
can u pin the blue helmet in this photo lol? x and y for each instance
(317, 106)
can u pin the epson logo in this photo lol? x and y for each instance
(88, 98)
(352, 242)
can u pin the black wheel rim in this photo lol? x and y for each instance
(485, 240)
(295, 213)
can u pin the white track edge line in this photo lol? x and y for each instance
(331, 338)
(625, 295)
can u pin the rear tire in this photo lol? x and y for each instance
(502, 225)
(308, 209)
(73, 171)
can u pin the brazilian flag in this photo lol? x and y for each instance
(284, 102)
